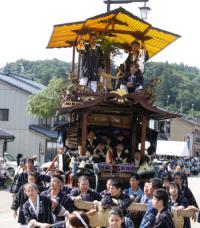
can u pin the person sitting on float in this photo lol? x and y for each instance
(132, 80)
(137, 55)
(120, 138)
(119, 155)
(84, 191)
(106, 150)
(137, 159)
(90, 156)
(92, 140)
(100, 151)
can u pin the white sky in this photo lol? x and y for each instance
(26, 26)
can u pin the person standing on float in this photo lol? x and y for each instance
(92, 62)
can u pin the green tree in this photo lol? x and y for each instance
(46, 102)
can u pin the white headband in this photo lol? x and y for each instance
(56, 179)
(80, 218)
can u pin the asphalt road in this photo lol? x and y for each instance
(7, 220)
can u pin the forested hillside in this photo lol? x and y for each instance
(178, 91)
(179, 87)
(42, 71)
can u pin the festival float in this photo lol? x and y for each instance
(110, 109)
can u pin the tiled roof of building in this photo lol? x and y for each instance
(5, 135)
(191, 120)
(25, 84)
(45, 131)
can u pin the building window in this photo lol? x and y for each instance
(4, 114)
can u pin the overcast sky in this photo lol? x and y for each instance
(26, 26)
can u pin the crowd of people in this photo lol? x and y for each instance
(188, 165)
(43, 199)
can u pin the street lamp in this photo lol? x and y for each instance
(143, 10)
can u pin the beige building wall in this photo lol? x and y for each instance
(26, 142)
(179, 129)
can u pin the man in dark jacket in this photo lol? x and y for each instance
(115, 197)
(92, 64)
(84, 192)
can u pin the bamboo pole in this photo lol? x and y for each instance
(84, 132)
(52, 163)
(99, 217)
(73, 57)
(143, 135)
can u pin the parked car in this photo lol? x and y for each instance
(11, 163)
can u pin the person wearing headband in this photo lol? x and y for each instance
(78, 220)
(55, 193)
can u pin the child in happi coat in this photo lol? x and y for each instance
(164, 217)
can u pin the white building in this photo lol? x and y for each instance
(30, 138)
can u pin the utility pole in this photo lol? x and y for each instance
(192, 110)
